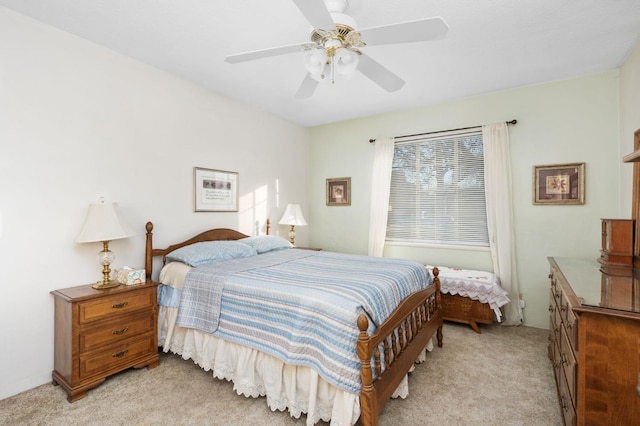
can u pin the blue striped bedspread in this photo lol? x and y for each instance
(300, 306)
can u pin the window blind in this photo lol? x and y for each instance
(437, 191)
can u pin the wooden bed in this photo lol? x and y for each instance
(386, 355)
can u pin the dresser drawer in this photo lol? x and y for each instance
(567, 407)
(115, 305)
(115, 331)
(568, 360)
(114, 357)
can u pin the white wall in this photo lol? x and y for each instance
(560, 122)
(78, 122)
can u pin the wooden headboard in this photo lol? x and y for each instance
(217, 234)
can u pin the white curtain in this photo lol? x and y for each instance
(497, 175)
(380, 188)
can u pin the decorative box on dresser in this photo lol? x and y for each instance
(102, 332)
(594, 341)
(617, 242)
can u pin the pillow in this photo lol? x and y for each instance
(173, 274)
(265, 243)
(211, 251)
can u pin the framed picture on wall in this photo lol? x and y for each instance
(215, 190)
(339, 191)
(558, 184)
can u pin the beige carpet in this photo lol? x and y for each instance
(499, 377)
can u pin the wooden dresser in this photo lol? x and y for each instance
(102, 332)
(594, 341)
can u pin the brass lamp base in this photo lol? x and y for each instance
(102, 285)
(292, 235)
(105, 257)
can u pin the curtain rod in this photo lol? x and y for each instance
(443, 131)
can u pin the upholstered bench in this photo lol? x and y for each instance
(471, 297)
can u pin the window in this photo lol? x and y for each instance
(437, 191)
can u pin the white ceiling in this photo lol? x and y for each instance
(491, 45)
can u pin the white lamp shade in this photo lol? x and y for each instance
(103, 223)
(293, 216)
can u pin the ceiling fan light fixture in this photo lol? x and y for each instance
(345, 61)
(315, 62)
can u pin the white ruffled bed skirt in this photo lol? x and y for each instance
(297, 389)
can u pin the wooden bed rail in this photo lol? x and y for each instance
(403, 336)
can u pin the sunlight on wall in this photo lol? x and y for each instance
(253, 210)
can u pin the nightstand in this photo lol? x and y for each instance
(102, 332)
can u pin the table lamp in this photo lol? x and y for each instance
(293, 216)
(104, 223)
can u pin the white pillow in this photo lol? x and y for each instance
(173, 274)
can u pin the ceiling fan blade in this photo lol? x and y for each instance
(316, 13)
(379, 74)
(405, 32)
(267, 53)
(307, 87)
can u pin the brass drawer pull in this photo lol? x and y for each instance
(119, 305)
(120, 354)
(121, 331)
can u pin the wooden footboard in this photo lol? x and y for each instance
(402, 336)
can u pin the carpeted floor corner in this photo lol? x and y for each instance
(499, 377)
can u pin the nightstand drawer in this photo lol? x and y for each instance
(117, 355)
(115, 305)
(115, 331)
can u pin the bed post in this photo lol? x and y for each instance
(436, 282)
(148, 258)
(268, 226)
(368, 397)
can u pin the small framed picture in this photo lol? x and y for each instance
(215, 190)
(558, 184)
(339, 191)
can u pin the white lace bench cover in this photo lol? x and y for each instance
(476, 285)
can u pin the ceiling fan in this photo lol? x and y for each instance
(336, 43)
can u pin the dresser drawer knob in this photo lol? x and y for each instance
(119, 305)
(120, 354)
(121, 331)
